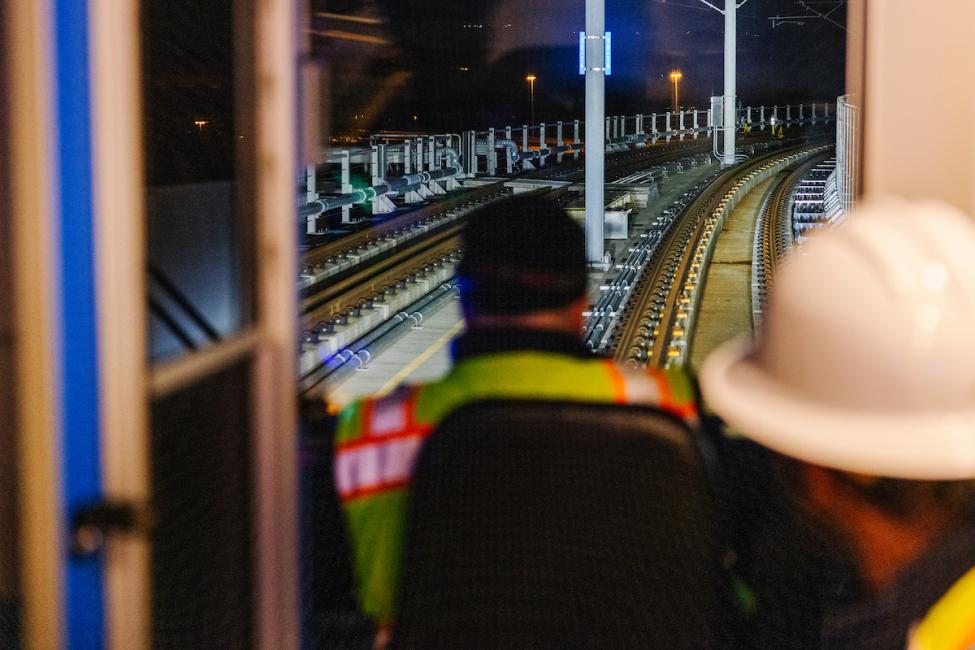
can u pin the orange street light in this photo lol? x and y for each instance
(676, 76)
(531, 80)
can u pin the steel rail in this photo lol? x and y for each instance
(356, 290)
(660, 297)
(773, 232)
(353, 279)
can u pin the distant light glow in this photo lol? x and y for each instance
(935, 276)
(201, 123)
(928, 317)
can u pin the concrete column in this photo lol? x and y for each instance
(472, 143)
(575, 138)
(788, 113)
(653, 124)
(346, 185)
(374, 165)
(595, 128)
(541, 142)
(492, 157)
(311, 194)
(667, 124)
(559, 141)
(730, 70)
(507, 157)
(524, 137)
(761, 117)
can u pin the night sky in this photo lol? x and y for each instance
(461, 64)
(500, 41)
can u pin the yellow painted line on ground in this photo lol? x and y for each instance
(409, 368)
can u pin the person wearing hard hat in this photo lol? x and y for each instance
(862, 381)
(523, 290)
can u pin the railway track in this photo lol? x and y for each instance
(381, 274)
(332, 262)
(773, 230)
(354, 269)
(659, 317)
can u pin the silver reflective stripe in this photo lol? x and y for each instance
(640, 388)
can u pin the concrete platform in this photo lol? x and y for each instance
(418, 356)
(726, 306)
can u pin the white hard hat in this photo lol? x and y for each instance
(867, 359)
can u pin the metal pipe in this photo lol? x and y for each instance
(395, 185)
(374, 342)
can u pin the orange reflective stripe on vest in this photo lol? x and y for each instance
(617, 381)
(381, 459)
(667, 402)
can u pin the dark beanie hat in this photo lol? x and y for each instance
(521, 255)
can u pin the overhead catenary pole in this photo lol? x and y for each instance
(595, 117)
(730, 64)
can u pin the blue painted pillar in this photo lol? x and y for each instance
(84, 596)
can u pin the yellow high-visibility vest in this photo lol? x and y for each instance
(378, 439)
(950, 624)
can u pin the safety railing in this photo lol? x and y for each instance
(425, 164)
(847, 151)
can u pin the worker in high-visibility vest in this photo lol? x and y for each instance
(863, 381)
(524, 280)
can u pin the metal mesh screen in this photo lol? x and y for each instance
(202, 542)
(330, 616)
(8, 477)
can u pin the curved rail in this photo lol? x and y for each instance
(660, 314)
(773, 232)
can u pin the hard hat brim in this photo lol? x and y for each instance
(908, 445)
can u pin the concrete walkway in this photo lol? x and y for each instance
(726, 307)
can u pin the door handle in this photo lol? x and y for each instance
(93, 523)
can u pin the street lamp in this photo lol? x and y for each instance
(531, 80)
(676, 76)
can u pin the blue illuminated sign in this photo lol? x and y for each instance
(608, 40)
(582, 53)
